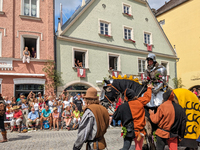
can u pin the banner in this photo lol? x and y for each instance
(81, 72)
(115, 74)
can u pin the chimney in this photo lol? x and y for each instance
(83, 3)
(61, 19)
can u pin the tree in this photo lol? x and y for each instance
(177, 83)
(53, 76)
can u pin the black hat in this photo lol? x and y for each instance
(129, 94)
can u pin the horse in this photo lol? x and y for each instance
(118, 86)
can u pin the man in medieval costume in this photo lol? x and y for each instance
(94, 123)
(157, 75)
(2, 118)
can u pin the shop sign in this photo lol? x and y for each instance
(6, 64)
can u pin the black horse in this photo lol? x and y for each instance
(112, 92)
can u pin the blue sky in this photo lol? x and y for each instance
(69, 6)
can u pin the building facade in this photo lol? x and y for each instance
(181, 22)
(25, 23)
(112, 37)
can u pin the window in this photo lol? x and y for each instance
(80, 58)
(104, 28)
(1, 5)
(30, 8)
(147, 38)
(114, 62)
(141, 65)
(127, 9)
(31, 43)
(128, 34)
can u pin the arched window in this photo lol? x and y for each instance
(77, 89)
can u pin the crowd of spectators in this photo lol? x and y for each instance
(44, 112)
(196, 92)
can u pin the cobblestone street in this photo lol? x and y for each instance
(56, 140)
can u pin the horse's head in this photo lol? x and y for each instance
(110, 95)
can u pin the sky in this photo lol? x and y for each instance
(69, 6)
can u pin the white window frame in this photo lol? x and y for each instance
(109, 26)
(37, 46)
(118, 61)
(127, 5)
(38, 8)
(1, 5)
(1, 44)
(141, 58)
(166, 62)
(151, 39)
(129, 28)
(77, 49)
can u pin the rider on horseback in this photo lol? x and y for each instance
(155, 74)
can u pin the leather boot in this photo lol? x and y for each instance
(4, 134)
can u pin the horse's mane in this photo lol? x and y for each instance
(123, 84)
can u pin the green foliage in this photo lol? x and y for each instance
(53, 75)
(177, 83)
(154, 136)
(124, 130)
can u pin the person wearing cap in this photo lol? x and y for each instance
(40, 96)
(17, 118)
(33, 117)
(94, 123)
(132, 116)
(55, 115)
(171, 120)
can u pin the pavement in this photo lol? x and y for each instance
(56, 140)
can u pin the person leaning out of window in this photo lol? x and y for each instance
(26, 55)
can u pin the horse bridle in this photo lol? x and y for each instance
(113, 88)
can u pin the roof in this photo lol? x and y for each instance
(76, 13)
(169, 5)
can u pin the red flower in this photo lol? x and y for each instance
(132, 40)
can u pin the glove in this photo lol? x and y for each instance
(75, 148)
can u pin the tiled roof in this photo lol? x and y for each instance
(75, 14)
(169, 5)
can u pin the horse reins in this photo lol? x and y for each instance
(113, 88)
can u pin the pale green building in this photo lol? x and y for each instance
(107, 36)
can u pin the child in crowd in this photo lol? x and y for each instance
(67, 116)
(76, 114)
(55, 118)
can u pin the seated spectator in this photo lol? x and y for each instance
(30, 97)
(55, 115)
(194, 90)
(25, 111)
(33, 117)
(17, 118)
(40, 96)
(76, 114)
(41, 106)
(66, 102)
(13, 103)
(26, 55)
(36, 105)
(6, 100)
(33, 52)
(51, 103)
(46, 115)
(67, 116)
(46, 99)
(111, 111)
(19, 100)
